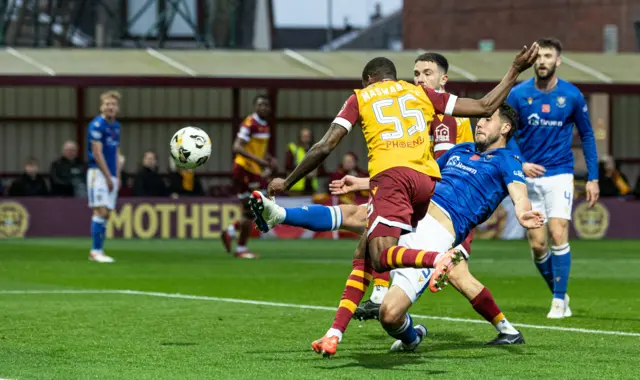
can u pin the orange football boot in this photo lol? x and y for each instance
(440, 277)
(327, 346)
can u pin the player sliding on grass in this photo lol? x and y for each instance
(475, 180)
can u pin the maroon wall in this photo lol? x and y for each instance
(460, 24)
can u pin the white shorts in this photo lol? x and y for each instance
(553, 196)
(429, 236)
(99, 194)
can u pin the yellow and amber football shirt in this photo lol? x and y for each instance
(447, 131)
(396, 117)
(256, 133)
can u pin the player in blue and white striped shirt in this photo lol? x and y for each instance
(103, 176)
(549, 107)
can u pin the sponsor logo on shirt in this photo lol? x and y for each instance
(535, 120)
(455, 162)
(442, 133)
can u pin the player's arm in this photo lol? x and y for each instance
(583, 123)
(348, 184)
(485, 107)
(513, 176)
(317, 154)
(242, 138)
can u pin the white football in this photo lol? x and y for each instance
(190, 147)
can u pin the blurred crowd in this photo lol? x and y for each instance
(67, 176)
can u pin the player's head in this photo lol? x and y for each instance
(430, 70)
(548, 58)
(262, 105)
(378, 69)
(110, 104)
(494, 131)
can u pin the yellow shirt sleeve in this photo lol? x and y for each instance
(464, 130)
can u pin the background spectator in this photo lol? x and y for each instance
(148, 183)
(68, 173)
(349, 166)
(30, 184)
(295, 153)
(183, 181)
(612, 182)
(127, 181)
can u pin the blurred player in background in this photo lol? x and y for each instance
(395, 117)
(252, 165)
(103, 175)
(549, 107)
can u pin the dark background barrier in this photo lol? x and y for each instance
(203, 218)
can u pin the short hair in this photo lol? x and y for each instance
(436, 58)
(260, 96)
(379, 68)
(551, 42)
(509, 115)
(110, 94)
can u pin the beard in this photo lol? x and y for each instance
(550, 72)
(482, 146)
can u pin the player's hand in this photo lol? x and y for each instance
(526, 58)
(533, 170)
(276, 186)
(345, 185)
(593, 192)
(110, 184)
(531, 219)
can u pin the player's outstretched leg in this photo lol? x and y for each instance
(484, 304)
(356, 286)
(370, 309)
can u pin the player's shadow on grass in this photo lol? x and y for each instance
(384, 361)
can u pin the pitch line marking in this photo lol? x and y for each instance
(302, 306)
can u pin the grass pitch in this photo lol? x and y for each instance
(185, 310)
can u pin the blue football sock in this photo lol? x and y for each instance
(407, 334)
(544, 267)
(561, 266)
(97, 233)
(315, 218)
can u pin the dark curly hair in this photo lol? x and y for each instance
(510, 116)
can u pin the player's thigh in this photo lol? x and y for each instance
(99, 196)
(395, 305)
(558, 194)
(558, 231)
(536, 195)
(354, 218)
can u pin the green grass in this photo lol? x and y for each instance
(126, 336)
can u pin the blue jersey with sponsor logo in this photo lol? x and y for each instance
(545, 131)
(473, 184)
(109, 135)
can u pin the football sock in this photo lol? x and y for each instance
(357, 284)
(406, 333)
(401, 257)
(561, 266)
(486, 306)
(315, 218)
(380, 286)
(544, 267)
(243, 237)
(231, 230)
(97, 233)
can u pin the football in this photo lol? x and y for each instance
(190, 147)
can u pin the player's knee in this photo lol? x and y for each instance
(391, 315)
(538, 245)
(559, 235)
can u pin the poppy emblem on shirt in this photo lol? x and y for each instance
(546, 108)
(475, 157)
